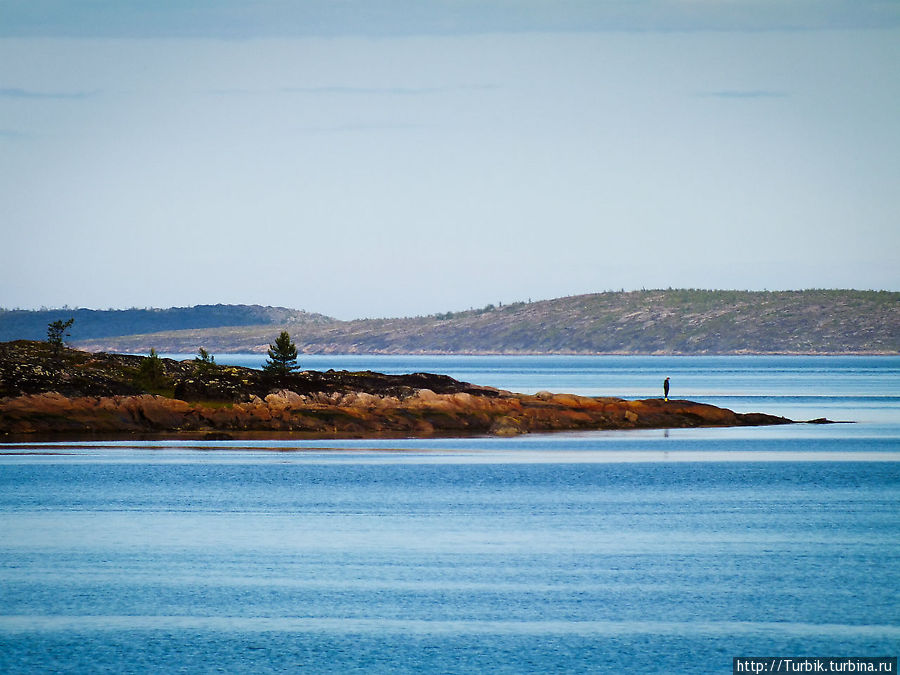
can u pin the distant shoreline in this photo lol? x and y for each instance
(95, 347)
(671, 322)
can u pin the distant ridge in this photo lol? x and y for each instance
(91, 324)
(634, 322)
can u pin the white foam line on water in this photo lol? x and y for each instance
(651, 456)
(80, 624)
(438, 456)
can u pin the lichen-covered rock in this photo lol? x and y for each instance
(508, 426)
(284, 399)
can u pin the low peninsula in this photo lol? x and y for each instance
(66, 394)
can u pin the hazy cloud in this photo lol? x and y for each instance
(15, 92)
(340, 90)
(287, 18)
(387, 91)
(744, 93)
(362, 127)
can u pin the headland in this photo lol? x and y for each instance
(69, 394)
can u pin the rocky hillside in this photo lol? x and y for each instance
(640, 322)
(90, 324)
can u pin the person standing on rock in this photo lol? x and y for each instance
(666, 389)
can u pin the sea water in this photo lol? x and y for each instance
(662, 551)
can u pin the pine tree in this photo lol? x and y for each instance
(56, 332)
(204, 362)
(282, 356)
(150, 372)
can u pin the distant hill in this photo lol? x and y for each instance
(638, 322)
(91, 324)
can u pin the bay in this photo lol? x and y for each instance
(650, 551)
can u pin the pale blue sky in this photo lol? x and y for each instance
(398, 158)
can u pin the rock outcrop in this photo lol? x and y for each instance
(79, 393)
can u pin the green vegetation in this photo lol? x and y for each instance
(20, 324)
(282, 356)
(205, 363)
(150, 373)
(672, 321)
(56, 332)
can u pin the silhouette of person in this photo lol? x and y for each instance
(666, 389)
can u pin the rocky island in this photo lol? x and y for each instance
(66, 393)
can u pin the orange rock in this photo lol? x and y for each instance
(426, 413)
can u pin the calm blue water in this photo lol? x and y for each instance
(638, 552)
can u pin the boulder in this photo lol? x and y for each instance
(284, 399)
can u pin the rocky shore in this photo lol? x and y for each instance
(73, 394)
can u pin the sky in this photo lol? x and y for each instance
(404, 157)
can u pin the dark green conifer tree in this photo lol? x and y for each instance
(282, 356)
(150, 372)
(56, 332)
(204, 362)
